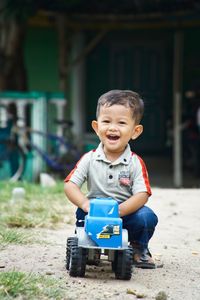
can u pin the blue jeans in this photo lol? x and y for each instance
(140, 225)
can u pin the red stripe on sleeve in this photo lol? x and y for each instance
(72, 171)
(145, 176)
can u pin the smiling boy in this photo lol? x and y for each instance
(112, 170)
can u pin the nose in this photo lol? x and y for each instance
(112, 127)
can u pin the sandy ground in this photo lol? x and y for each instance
(175, 244)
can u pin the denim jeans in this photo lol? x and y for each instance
(140, 225)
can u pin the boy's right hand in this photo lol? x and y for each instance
(85, 206)
(76, 196)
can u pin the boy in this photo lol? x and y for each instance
(112, 170)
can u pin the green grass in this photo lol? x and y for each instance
(15, 236)
(42, 207)
(19, 285)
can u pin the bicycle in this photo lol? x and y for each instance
(60, 157)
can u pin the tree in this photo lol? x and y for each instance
(14, 17)
(13, 22)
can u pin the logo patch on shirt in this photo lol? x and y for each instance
(124, 178)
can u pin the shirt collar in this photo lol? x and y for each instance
(123, 159)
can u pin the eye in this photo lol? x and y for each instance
(105, 121)
(122, 123)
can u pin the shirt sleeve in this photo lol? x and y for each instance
(80, 172)
(140, 177)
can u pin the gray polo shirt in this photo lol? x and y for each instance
(119, 180)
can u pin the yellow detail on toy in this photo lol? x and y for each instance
(104, 236)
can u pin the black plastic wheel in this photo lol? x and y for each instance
(77, 260)
(114, 262)
(70, 242)
(122, 266)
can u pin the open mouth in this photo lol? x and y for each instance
(113, 137)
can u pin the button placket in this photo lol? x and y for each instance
(110, 175)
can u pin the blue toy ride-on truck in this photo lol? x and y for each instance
(101, 236)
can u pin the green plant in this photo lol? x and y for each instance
(14, 236)
(42, 207)
(29, 286)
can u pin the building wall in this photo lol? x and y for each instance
(192, 58)
(105, 62)
(139, 61)
(41, 58)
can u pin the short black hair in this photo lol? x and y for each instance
(123, 97)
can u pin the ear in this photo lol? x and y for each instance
(95, 126)
(137, 131)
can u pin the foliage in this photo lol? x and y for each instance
(18, 9)
(21, 10)
(42, 207)
(14, 236)
(29, 286)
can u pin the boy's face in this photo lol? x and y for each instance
(115, 127)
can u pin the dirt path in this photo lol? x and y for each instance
(176, 244)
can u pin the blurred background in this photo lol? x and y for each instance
(58, 57)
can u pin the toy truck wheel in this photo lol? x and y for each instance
(77, 260)
(122, 265)
(70, 241)
(113, 264)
